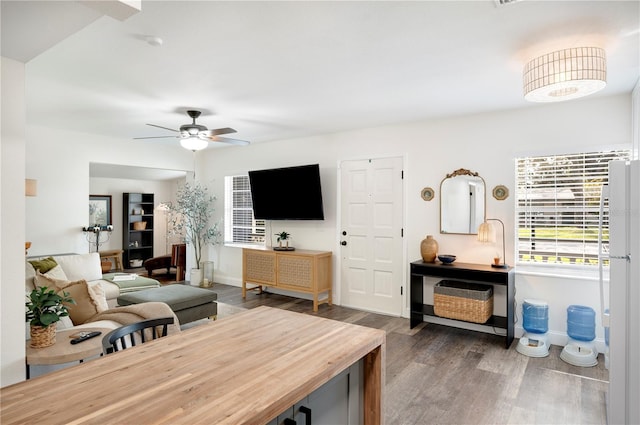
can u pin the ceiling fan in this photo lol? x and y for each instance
(196, 137)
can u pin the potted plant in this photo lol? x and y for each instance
(44, 308)
(283, 237)
(190, 216)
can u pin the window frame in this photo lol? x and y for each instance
(583, 204)
(258, 227)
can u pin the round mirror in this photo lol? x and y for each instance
(462, 202)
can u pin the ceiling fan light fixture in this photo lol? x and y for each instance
(193, 143)
(565, 74)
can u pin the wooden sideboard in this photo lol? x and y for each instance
(248, 368)
(300, 271)
(479, 273)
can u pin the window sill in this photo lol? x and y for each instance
(550, 270)
(243, 245)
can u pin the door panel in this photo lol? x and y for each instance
(371, 200)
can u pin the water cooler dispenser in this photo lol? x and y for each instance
(581, 328)
(535, 341)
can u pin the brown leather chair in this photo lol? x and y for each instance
(179, 259)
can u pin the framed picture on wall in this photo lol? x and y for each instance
(100, 210)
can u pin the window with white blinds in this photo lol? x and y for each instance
(558, 205)
(240, 226)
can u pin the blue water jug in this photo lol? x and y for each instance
(581, 323)
(535, 316)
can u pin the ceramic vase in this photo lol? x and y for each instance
(429, 249)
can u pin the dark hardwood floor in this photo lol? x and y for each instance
(441, 375)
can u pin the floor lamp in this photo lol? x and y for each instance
(484, 235)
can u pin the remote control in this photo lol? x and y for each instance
(85, 337)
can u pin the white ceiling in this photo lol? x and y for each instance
(279, 70)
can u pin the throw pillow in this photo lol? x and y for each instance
(99, 296)
(56, 273)
(85, 307)
(44, 265)
(88, 302)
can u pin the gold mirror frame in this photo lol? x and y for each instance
(459, 215)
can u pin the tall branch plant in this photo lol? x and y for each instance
(190, 217)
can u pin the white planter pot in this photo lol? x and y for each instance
(196, 277)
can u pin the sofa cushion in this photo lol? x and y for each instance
(44, 265)
(56, 273)
(89, 299)
(81, 266)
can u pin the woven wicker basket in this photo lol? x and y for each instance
(466, 301)
(43, 337)
(139, 225)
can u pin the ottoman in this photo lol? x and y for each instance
(187, 302)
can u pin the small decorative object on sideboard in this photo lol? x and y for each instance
(44, 309)
(429, 249)
(447, 259)
(485, 234)
(283, 237)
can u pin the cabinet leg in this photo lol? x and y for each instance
(315, 302)
(244, 290)
(330, 299)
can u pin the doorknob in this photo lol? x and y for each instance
(344, 233)
(343, 243)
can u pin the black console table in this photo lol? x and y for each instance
(465, 272)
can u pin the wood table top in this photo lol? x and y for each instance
(243, 369)
(63, 351)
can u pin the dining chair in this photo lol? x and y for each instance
(125, 336)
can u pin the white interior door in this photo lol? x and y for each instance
(371, 235)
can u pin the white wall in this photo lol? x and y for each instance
(60, 161)
(164, 191)
(485, 143)
(12, 222)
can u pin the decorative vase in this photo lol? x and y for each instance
(196, 277)
(429, 249)
(43, 337)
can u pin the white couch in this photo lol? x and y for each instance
(83, 267)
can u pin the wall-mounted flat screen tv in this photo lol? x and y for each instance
(291, 193)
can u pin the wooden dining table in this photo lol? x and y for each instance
(243, 369)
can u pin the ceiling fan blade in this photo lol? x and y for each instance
(166, 128)
(155, 137)
(229, 140)
(218, 131)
